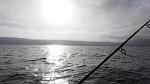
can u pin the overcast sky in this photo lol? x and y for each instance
(85, 20)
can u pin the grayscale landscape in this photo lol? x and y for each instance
(74, 41)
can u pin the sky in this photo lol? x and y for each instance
(82, 20)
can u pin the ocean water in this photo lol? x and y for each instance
(57, 64)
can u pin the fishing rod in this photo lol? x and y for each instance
(111, 54)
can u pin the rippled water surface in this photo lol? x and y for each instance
(57, 64)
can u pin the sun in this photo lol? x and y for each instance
(57, 12)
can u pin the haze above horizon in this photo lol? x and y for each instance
(82, 20)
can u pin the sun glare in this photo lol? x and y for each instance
(55, 52)
(54, 57)
(57, 12)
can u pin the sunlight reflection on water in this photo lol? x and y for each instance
(54, 54)
(54, 57)
(56, 64)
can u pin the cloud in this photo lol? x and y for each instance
(12, 24)
(96, 20)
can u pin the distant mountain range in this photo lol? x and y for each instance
(23, 41)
